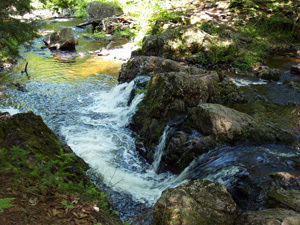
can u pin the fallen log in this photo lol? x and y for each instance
(87, 23)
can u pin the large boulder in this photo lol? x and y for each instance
(151, 65)
(230, 126)
(176, 42)
(169, 97)
(197, 202)
(63, 39)
(270, 216)
(98, 10)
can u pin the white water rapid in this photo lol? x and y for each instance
(160, 149)
(101, 138)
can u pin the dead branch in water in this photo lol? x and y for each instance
(25, 70)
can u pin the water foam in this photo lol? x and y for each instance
(101, 138)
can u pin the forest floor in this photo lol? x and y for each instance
(53, 208)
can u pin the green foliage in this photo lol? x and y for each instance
(14, 32)
(59, 4)
(80, 8)
(80, 5)
(5, 203)
(40, 175)
(272, 17)
(124, 33)
(142, 90)
(166, 15)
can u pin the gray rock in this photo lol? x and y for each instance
(270, 216)
(62, 39)
(146, 65)
(99, 10)
(183, 149)
(289, 199)
(266, 73)
(229, 125)
(296, 69)
(194, 203)
(171, 95)
(191, 39)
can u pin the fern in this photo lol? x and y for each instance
(5, 203)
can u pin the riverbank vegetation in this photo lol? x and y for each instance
(42, 180)
(13, 31)
(254, 29)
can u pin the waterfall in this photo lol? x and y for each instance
(101, 138)
(160, 149)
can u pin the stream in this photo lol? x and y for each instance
(78, 97)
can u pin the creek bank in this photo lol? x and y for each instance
(30, 141)
(219, 34)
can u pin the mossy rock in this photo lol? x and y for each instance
(289, 199)
(29, 132)
(197, 202)
(231, 126)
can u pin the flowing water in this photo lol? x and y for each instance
(78, 97)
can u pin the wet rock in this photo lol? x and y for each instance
(285, 180)
(230, 93)
(170, 95)
(264, 72)
(183, 149)
(228, 125)
(197, 202)
(295, 69)
(96, 11)
(145, 65)
(250, 189)
(289, 199)
(270, 216)
(63, 39)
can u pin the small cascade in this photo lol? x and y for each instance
(102, 139)
(160, 149)
(78, 97)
